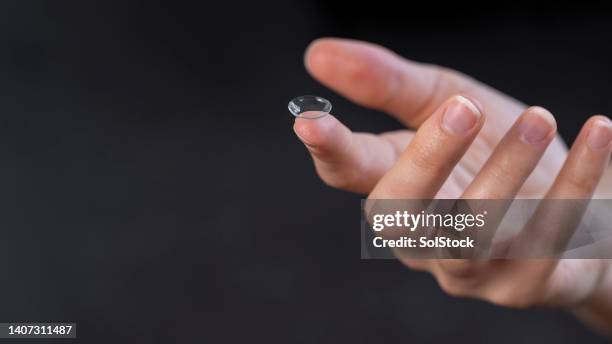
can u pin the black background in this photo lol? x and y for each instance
(152, 188)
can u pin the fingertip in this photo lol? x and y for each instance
(475, 102)
(605, 120)
(364, 72)
(537, 125)
(317, 132)
(544, 114)
(592, 122)
(324, 57)
(321, 50)
(460, 117)
(322, 54)
(316, 52)
(471, 104)
(599, 134)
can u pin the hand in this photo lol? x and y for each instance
(456, 153)
(377, 78)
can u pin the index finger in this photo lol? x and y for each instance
(376, 77)
(433, 152)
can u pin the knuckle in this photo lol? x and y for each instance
(425, 160)
(502, 168)
(580, 181)
(356, 68)
(361, 72)
(447, 82)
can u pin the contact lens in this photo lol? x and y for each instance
(310, 107)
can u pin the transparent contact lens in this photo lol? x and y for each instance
(310, 107)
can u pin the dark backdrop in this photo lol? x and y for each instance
(152, 188)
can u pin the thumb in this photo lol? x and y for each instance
(346, 160)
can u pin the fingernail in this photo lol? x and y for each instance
(600, 134)
(536, 126)
(460, 116)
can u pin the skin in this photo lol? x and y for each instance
(503, 150)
